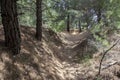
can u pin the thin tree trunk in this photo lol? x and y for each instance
(39, 19)
(79, 24)
(11, 25)
(99, 15)
(68, 23)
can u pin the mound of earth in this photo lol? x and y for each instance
(56, 57)
(36, 60)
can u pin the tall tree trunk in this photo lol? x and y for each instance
(11, 25)
(99, 15)
(68, 23)
(79, 25)
(39, 19)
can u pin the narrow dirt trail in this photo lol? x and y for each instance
(76, 71)
(42, 60)
(71, 39)
(74, 43)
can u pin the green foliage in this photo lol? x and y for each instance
(57, 26)
(26, 8)
(99, 78)
(55, 14)
(100, 33)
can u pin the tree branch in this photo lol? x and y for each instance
(104, 56)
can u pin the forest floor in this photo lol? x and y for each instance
(60, 56)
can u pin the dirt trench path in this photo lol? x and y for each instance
(76, 71)
(73, 44)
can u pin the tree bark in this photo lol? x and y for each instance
(11, 25)
(39, 20)
(99, 15)
(79, 24)
(68, 23)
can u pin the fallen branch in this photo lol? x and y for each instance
(104, 56)
(110, 64)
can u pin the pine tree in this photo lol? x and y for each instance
(39, 19)
(68, 23)
(11, 25)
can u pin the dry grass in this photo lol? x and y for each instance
(49, 59)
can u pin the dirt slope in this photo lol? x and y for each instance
(36, 61)
(52, 59)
